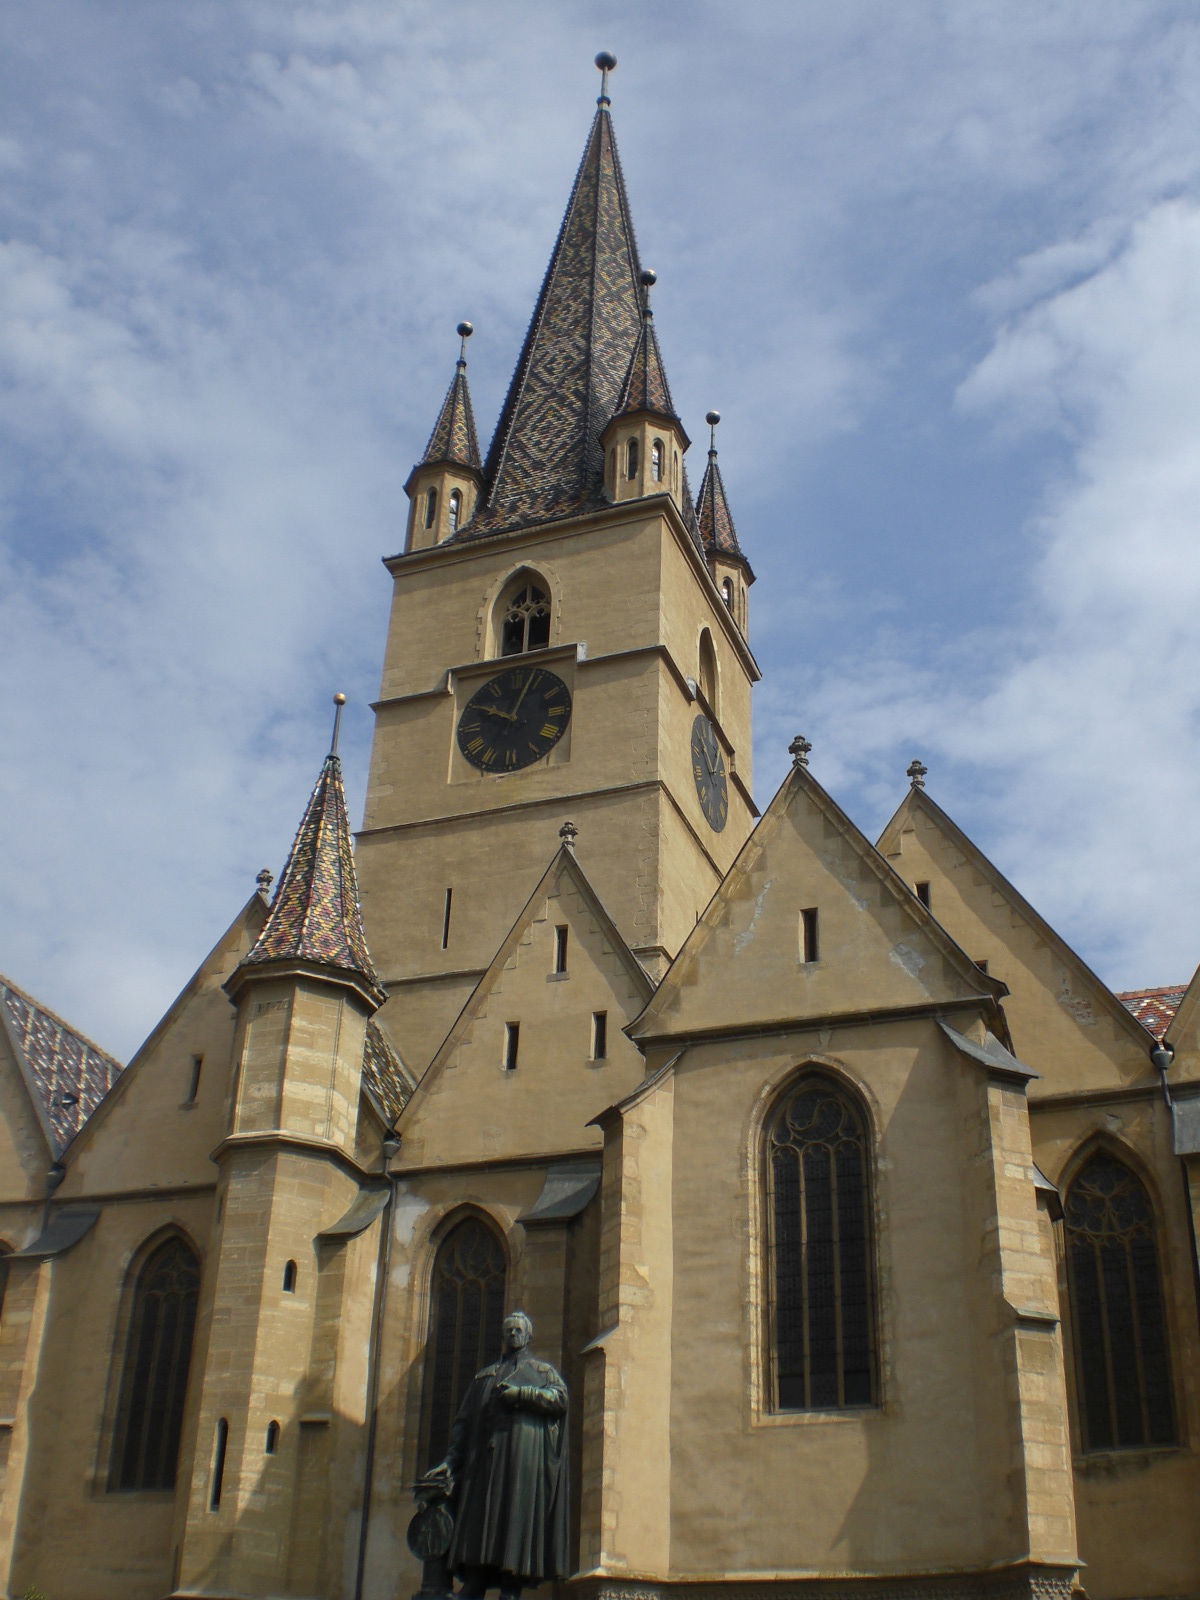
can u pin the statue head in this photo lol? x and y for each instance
(515, 1331)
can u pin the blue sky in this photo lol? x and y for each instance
(937, 265)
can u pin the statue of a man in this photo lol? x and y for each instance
(506, 1470)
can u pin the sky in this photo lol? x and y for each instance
(937, 265)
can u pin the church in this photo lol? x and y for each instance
(858, 1215)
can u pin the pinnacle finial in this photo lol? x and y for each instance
(647, 280)
(464, 332)
(712, 418)
(568, 833)
(607, 62)
(339, 700)
(264, 881)
(799, 749)
(916, 774)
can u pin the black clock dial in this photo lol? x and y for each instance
(514, 719)
(708, 769)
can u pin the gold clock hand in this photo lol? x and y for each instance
(533, 672)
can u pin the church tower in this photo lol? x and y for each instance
(560, 645)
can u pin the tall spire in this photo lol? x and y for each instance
(546, 460)
(454, 437)
(712, 508)
(315, 916)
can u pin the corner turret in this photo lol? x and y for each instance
(444, 485)
(645, 442)
(731, 572)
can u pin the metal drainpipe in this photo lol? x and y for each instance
(1161, 1057)
(391, 1146)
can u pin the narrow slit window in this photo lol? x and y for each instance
(512, 1045)
(455, 509)
(560, 949)
(446, 909)
(809, 935)
(220, 1446)
(272, 1443)
(599, 1035)
(289, 1278)
(922, 893)
(194, 1081)
(431, 508)
(656, 461)
(727, 593)
(631, 459)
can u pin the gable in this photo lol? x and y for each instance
(25, 1148)
(66, 1074)
(1063, 1020)
(469, 1106)
(748, 965)
(169, 1110)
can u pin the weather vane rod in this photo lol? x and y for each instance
(339, 700)
(606, 61)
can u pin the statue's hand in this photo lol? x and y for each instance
(438, 1478)
(509, 1394)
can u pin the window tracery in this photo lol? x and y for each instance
(1118, 1322)
(157, 1357)
(821, 1249)
(466, 1310)
(524, 618)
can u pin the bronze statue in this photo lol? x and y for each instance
(505, 1473)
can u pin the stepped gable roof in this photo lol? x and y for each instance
(67, 1074)
(1154, 1008)
(315, 915)
(454, 437)
(545, 460)
(646, 387)
(714, 516)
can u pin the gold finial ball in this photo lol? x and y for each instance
(712, 418)
(606, 61)
(465, 330)
(339, 699)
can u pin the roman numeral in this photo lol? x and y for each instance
(475, 744)
(549, 731)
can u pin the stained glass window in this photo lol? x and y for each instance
(154, 1384)
(1122, 1364)
(466, 1311)
(822, 1271)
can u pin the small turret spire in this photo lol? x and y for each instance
(646, 387)
(315, 916)
(712, 507)
(454, 438)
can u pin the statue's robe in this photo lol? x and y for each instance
(510, 1469)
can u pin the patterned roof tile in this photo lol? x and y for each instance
(714, 516)
(454, 437)
(545, 460)
(68, 1074)
(315, 914)
(384, 1073)
(1154, 1008)
(646, 387)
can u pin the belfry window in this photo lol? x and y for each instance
(455, 509)
(525, 620)
(1118, 1322)
(823, 1345)
(656, 461)
(157, 1356)
(727, 593)
(631, 459)
(466, 1310)
(430, 508)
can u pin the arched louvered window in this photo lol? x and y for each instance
(466, 1310)
(524, 614)
(1118, 1322)
(157, 1356)
(822, 1272)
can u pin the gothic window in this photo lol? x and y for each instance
(1122, 1367)
(455, 509)
(430, 508)
(154, 1382)
(708, 670)
(466, 1310)
(524, 618)
(656, 461)
(727, 593)
(821, 1251)
(631, 459)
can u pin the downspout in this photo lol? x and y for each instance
(391, 1146)
(1162, 1056)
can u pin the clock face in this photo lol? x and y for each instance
(708, 769)
(515, 719)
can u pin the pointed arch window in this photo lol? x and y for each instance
(455, 509)
(157, 1356)
(524, 617)
(822, 1273)
(631, 459)
(430, 508)
(656, 461)
(1118, 1319)
(466, 1310)
(708, 670)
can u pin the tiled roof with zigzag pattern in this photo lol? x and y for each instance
(714, 516)
(646, 387)
(454, 437)
(68, 1074)
(315, 914)
(545, 460)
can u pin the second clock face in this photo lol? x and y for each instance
(515, 719)
(708, 769)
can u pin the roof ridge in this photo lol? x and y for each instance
(55, 1016)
